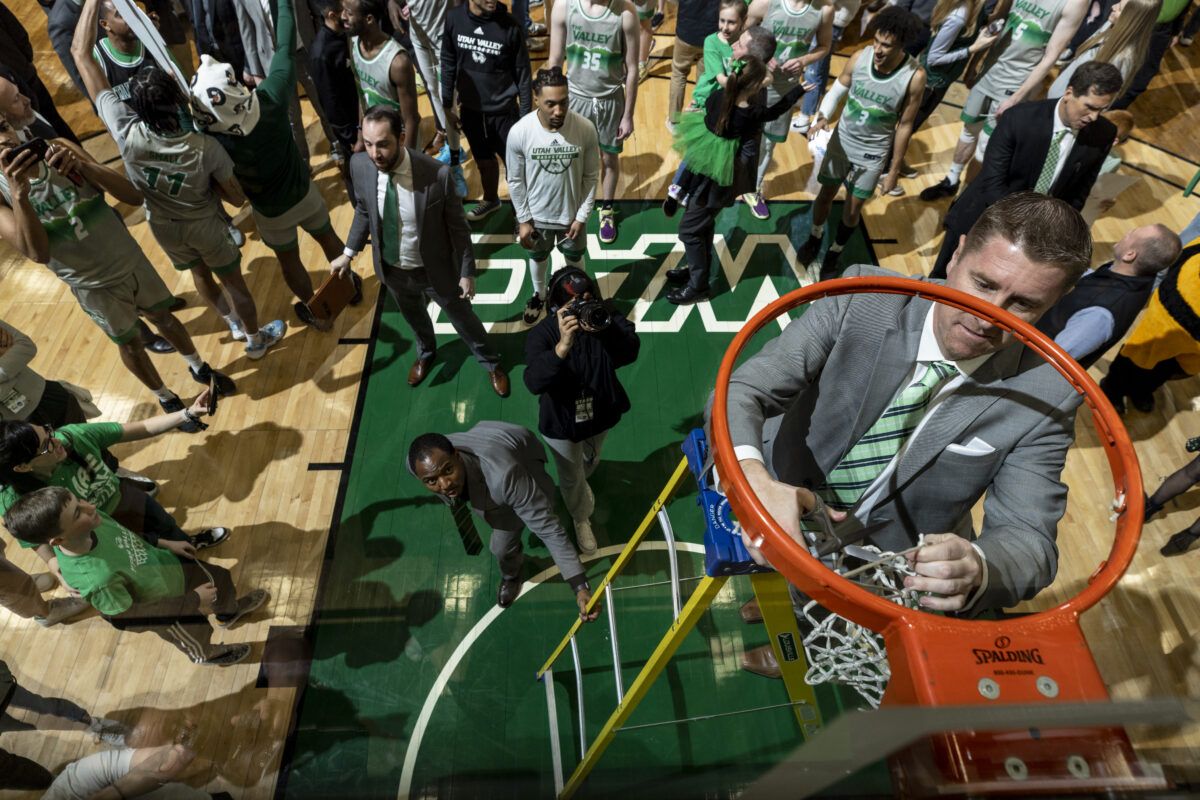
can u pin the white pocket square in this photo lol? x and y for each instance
(975, 447)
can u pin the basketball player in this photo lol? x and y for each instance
(598, 39)
(383, 68)
(796, 25)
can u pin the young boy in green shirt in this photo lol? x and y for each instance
(133, 584)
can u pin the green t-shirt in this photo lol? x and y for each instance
(121, 569)
(98, 484)
(718, 55)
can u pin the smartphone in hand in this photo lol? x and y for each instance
(213, 394)
(38, 146)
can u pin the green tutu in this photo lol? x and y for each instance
(704, 153)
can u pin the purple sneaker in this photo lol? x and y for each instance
(608, 226)
(757, 205)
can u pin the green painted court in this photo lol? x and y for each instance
(419, 684)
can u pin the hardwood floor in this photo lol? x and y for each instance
(295, 408)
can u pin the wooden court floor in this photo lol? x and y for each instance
(268, 466)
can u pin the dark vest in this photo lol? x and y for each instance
(1123, 295)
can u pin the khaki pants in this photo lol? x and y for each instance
(684, 57)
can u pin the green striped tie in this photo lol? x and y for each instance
(1046, 178)
(875, 450)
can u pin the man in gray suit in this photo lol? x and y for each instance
(406, 203)
(904, 412)
(498, 470)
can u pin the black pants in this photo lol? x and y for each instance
(57, 407)
(46, 707)
(955, 229)
(487, 133)
(177, 621)
(696, 230)
(18, 772)
(1160, 43)
(930, 100)
(1127, 379)
(141, 513)
(412, 291)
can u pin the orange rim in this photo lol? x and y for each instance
(855, 603)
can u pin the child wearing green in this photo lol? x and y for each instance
(33, 456)
(134, 584)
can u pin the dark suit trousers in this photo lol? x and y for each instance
(955, 228)
(413, 292)
(696, 231)
(1160, 43)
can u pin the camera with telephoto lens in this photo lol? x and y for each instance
(573, 291)
(593, 316)
(1193, 444)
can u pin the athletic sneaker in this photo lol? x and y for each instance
(270, 335)
(800, 122)
(643, 70)
(139, 481)
(245, 605)
(608, 225)
(670, 205)
(533, 310)
(1186, 41)
(235, 233)
(483, 210)
(225, 384)
(209, 537)
(585, 537)
(174, 404)
(460, 180)
(444, 155)
(757, 205)
(670, 127)
(536, 3)
(908, 172)
(943, 188)
(237, 331)
(228, 656)
(62, 608)
(829, 263)
(109, 731)
(536, 29)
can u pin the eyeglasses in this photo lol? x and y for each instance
(48, 445)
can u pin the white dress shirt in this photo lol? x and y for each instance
(1064, 147)
(401, 176)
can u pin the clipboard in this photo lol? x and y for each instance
(333, 296)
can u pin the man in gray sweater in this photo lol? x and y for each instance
(553, 164)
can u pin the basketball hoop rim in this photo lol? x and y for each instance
(855, 603)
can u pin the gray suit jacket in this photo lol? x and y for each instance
(812, 392)
(445, 236)
(507, 485)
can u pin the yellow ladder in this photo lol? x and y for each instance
(771, 591)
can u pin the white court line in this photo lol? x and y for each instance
(439, 686)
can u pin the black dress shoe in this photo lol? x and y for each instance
(1144, 404)
(808, 251)
(678, 275)
(159, 346)
(1117, 399)
(687, 296)
(358, 286)
(943, 188)
(1179, 544)
(508, 593)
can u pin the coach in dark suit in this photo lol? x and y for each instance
(407, 206)
(1055, 147)
(904, 413)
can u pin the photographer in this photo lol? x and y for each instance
(573, 356)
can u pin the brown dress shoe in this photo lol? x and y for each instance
(508, 593)
(761, 661)
(750, 611)
(500, 381)
(419, 371)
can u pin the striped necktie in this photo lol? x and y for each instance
(1046, 178)
(465, 523)
(875, 450)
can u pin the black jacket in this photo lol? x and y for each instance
(330, 70)
(589, 370)
(485, 59)
(1015, 156)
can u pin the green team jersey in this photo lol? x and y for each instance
(595, 51)
(119, 67)
(868, 125)
(373, 75)
(175, 173)
(121, 569)
(718, 55)
(794, 34)
(1028, 30)
(89, 245)
(96, 484)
